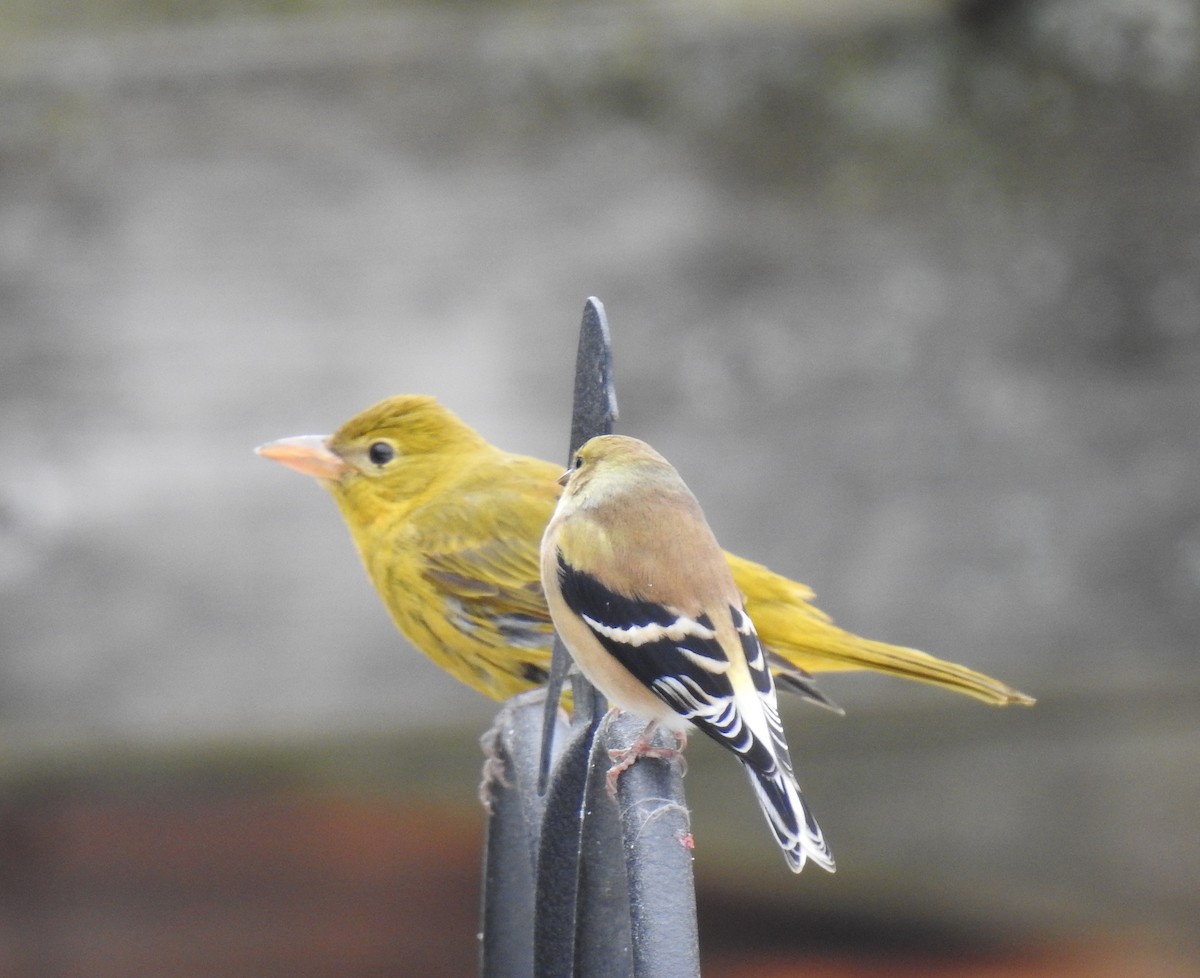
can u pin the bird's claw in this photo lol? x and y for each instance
(624, 759)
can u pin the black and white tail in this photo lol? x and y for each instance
(795, 829)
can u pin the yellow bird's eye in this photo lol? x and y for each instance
(579, 461)
(380, 453)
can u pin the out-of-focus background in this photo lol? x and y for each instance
(909, 291)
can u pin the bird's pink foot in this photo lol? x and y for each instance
(623, 760)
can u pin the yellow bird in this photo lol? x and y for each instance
(448, 527)
(645, 602)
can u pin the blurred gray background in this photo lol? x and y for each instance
(909, 291)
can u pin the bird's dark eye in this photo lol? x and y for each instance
(380, 453)
(579, 461)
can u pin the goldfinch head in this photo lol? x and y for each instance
(608, 465)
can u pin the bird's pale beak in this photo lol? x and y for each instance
(562, 479)
(309, 454)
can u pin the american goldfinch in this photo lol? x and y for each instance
(448, 528)
(645, 602)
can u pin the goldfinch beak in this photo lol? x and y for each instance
(308, 454)
(562, 479)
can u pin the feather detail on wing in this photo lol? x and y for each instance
(681, 660)
(511, 605)
(649, 639)
(490, 570)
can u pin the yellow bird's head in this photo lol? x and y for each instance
(390, 451)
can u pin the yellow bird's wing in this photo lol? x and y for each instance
(474, 599)
(493, 579)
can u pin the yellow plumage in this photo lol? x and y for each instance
(449, 527)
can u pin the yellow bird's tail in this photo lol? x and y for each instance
(790, 626)
(851, 652)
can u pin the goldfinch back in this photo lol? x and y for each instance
(640, 591)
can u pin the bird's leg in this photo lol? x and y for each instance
(495, 767)
(625, 759)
